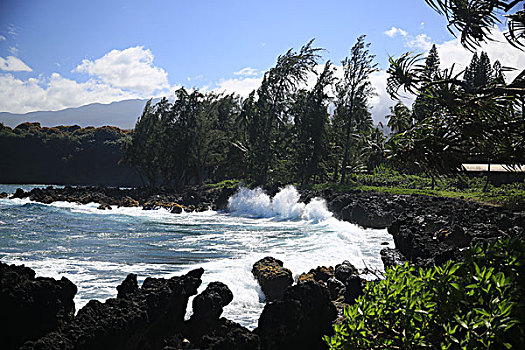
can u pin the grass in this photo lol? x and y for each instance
(222, 184)
(384, 180)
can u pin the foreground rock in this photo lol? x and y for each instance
(139, 318)
(32, 307)
(298, 321)
(272, 277)
(207, 309)
(320, 275)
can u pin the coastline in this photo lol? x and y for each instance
(426, 230)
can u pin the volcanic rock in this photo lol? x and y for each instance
(299, 320)
(391, 257)
(320, 274)
(207, 308)
(32, 307)
(273, 277)
(138, 319)
(128, 287)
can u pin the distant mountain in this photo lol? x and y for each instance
(123, 114)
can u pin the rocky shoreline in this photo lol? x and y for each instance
(426, 231)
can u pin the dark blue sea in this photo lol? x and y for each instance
(96, 249)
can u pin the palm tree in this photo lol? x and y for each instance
(400, 118)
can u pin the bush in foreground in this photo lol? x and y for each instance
(475, 304)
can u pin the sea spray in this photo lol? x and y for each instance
(284, 205)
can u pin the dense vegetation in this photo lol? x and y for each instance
(475, 304)
(64, 155)
(283, 132)
(478, 303)
(290, 131)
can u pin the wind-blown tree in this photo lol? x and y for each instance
(352, 94)
(310, 112)
(142, 148)
(400, 118)
(472, 121)
(185, 142)
(266, 113)
(197, 136)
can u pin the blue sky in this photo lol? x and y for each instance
(57, 54)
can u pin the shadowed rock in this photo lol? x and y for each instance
(299, 320)
(139, 319)
(207, 308)
(273, 277)
(32, 307)
(391, 257)
(128, 287)
(344, 270)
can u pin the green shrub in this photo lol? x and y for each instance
(515, 202)
(475, 304)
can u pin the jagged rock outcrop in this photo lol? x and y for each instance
(190, 199)
(207, 309)
(273, 277)
(139, 318)
(32, 306)
(128, 287)
(299, 320)
(434, 230)
(229, 335)
(391, 257)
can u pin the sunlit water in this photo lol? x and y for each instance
(96, 249)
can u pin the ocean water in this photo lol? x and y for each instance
(96, 249)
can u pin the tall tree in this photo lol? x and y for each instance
(268, 113)
(142, 148)
(424, 105)
(352, 94)
(310, 113)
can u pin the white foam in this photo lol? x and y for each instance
(284, 206)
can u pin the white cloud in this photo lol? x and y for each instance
(451, 52)
(117, 76)
(395, 31)
(2, 38)
(421, 41)
(241, 86)
(11, 30)
(13, 64)
(130, 69)
(247, 72)
(55, 93)
(13, 50)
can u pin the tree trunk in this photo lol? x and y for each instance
(347, 146)
(488, 178)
